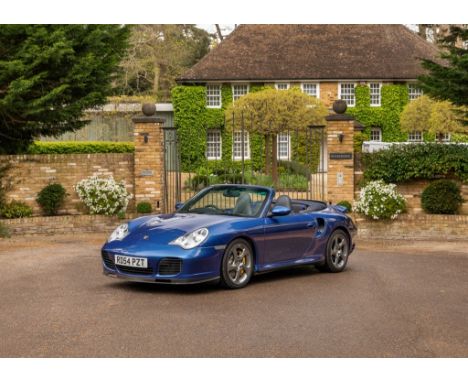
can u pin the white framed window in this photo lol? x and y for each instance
(282, 85)
(375, 93)
(284, 146)
(213, 96)
(376, 134)
(213, 144)
(312, 89)
(415, 136)
(238, 90)
(347, 93)
(414, 92)
(237, 145)
(443, 137)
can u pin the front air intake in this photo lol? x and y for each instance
(170, 266)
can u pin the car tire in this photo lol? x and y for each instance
(237, 265)
(337, 253)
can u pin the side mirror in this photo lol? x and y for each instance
(280, 211)
(179, 205)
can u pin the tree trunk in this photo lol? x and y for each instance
(267, 154)
(218, 31)
(157, 71)
(274, 162)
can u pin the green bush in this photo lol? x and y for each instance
(144, 208)
(293, 167)
(121, 215)
(4, 231)
(378, 200)
(40, 147)
(346, 204)
(292, 182)
(441, 197)
(51, 198)
(15, 210)
(401, 163)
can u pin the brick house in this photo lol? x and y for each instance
(325, 61)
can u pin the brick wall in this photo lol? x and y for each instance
(328, 93)
(412, 192)
(48, 225)
(30, 173)
(415, 227)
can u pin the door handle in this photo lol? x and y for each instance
(311, 224)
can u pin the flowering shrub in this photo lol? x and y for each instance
(379, 200)
(103, 196)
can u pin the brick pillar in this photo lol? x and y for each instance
(340, 137)
(149, 157)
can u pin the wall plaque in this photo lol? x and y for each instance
(146, 173)
(341, 156)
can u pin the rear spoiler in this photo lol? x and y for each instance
(339, 208)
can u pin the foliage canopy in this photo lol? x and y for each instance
(424, 114)
(49, 74)
(158, 54)
(448, 80)
(271, 111)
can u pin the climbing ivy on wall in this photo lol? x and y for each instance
(386, 116)
(193, 119)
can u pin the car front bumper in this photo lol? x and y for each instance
(173, 281)
(197, 265)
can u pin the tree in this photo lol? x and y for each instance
(426, 115)
(49, 74)
(158, 54)
(270, 112)
(416, 114)
(448, 80)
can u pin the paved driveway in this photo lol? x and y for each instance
(392, 301)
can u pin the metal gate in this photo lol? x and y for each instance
(293, 162)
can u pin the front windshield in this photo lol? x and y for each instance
(228, 200)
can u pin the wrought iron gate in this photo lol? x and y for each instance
(299, 170)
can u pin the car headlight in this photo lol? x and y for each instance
(192, 239)
(119, 233)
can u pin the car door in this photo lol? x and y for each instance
(287, 237)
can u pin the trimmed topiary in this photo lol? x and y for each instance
(441, 197)
(346, 204)
(144, 208)
(51, 198)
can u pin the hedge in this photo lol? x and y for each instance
(40, 147)
(401, 163)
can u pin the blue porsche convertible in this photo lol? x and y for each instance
(229, 233)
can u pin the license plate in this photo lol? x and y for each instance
(129, 261)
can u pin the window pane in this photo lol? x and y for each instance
(213, 144)
(375, 94)
(213, 95)
(415, 136)
(239, 90)
(310, 89)
(284, 146)
(237, 145)
(414, 92)
(282, 86)
(347, 93)
(376, 134)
